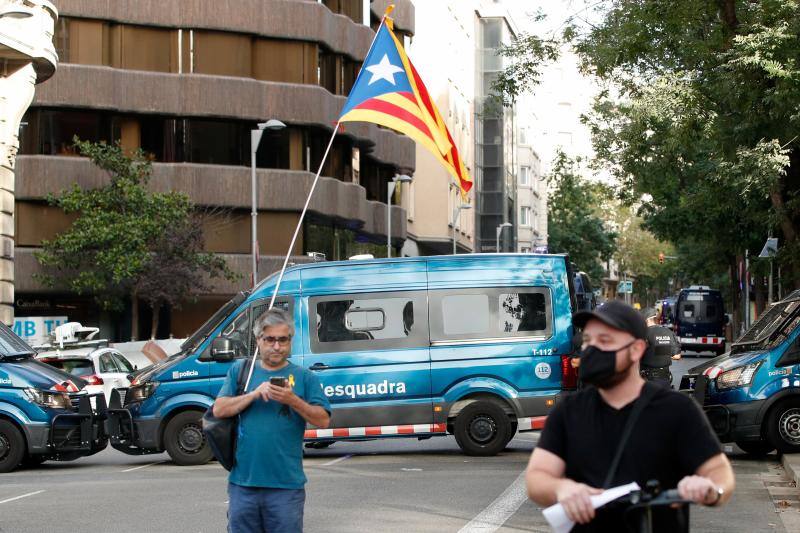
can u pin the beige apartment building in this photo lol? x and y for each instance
(187, 81)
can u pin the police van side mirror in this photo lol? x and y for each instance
(222, 350)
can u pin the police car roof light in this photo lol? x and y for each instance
(73, 332)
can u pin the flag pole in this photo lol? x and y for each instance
(308, 202)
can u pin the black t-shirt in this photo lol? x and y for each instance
(669, 441)
(662, 345)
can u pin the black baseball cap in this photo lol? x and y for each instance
(617, 315)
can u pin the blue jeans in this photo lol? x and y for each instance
(264, 510)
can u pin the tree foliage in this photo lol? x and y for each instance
(575, 218)
(699, 122)
(125, 240)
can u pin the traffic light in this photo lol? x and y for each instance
(661, 257)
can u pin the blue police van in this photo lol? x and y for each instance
(700, 319)
(473, 345)
(751, 394)
(44, 415)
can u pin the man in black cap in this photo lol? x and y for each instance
(662, 349)
(669, 440)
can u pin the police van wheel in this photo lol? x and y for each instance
(184, 439)
(12, 446)
(756, 448)
(783, 426)
(482, 428)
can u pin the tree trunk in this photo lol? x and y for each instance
(154, 323)
(134, 316)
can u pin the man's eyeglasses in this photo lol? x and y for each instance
(270, 340)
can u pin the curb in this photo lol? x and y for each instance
(791, 462)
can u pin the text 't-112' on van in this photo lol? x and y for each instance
(473, 345)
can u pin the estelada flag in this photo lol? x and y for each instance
(388, 91)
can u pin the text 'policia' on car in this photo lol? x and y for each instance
(44, 412)
(473, 345)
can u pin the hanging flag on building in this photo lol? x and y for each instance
(389, 91)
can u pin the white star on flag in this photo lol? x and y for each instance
(383, 71)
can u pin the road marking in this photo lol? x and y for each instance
(339, 460)
(143, 466)
(501, 509)
(22, 496)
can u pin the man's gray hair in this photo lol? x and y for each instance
(273, 317)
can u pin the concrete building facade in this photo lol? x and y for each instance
(186, 82)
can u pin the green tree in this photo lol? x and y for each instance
(117, 244)
(699, 123)
(574, 218)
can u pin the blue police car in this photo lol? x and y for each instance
(43, 413)
(474, 345)
(751, 394)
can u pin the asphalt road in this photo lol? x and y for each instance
(389, 485)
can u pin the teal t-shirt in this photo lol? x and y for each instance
(269, 450)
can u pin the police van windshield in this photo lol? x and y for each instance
(773, 327)
(700, 307)
(12, 346)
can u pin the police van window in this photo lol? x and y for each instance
(490, 313)
(368, 321)
(466, 314)
(522, 312)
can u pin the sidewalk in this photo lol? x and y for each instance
(791, 462)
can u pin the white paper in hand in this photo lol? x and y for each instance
(558, 519)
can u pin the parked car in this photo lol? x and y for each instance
(475, 345)
(700, 319)
(751, 395)
(74, 350)
(45, 413)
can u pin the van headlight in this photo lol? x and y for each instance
(45, 398)
(741, 376)
(141, 392)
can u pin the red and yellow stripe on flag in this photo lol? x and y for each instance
(389, 91)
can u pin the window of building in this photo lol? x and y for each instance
(525, 250)
(368, 321)
(524, 175)
(490, 313)
(327, 70)
(223, 53)
(143, 48)
(51, 131)
(524, 216)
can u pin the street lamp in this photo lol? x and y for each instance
(456, 212)
(499, 232)
(400, 178)
(255, 140)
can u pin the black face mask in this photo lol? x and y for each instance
(599, 367)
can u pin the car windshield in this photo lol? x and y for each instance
(775, 324)
(11, 345)
(203, 331)
(76, 367)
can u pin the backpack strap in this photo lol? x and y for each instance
(244, 369)
(644, 398)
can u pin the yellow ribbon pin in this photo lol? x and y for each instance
(291, 380)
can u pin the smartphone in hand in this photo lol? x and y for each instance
(277, 381)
